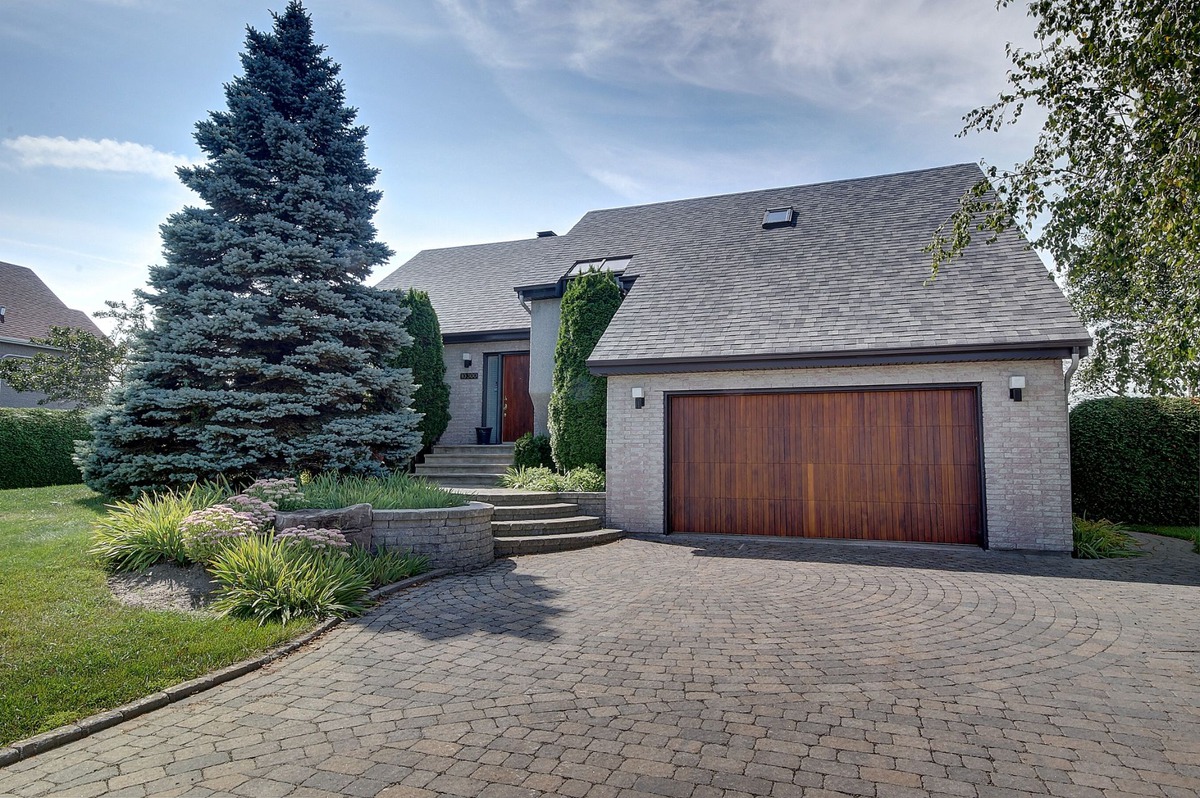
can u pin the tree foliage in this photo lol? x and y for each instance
(1115, 174)
(265, 353)
(426, 359)
(79, 370)
(83, 367)
(578, 401)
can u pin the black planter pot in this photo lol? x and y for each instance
(483, 435)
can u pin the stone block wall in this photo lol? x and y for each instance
(589, 502)
(457, 538)
(1027, 472)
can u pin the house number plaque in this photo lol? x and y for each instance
(469, 375)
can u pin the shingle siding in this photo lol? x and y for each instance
(1026, 458)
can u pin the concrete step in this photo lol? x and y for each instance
(498, 448)
(508, 497)
(476, 457)
(545, 544)
(447, 469)
(463, 481)
(545, 526)
(527, 512)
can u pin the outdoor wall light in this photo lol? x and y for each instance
(639, 398)
(466, 360)
(3, 313)
(1015, 386)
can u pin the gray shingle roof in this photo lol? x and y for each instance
(31, 308)
(849, 277)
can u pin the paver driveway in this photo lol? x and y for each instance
(702, 667)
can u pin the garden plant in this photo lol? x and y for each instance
(265, 574)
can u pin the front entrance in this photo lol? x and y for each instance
(507, 408)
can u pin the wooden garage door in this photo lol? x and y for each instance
(873, 464)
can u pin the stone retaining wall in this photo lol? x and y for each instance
(457, 538)
(590, 503)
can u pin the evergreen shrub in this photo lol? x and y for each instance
(36, 447)
(1137, 460)
(533, 451)
(579, 399)
(425, 357)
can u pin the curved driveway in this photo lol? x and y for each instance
(706, 667)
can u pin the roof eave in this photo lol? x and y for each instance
(1042, 350)
(484, 336)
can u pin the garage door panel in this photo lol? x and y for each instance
(885, 464)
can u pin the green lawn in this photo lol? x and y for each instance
(67, 648)
(1191, 533)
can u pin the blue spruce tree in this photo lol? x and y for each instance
(266, 354)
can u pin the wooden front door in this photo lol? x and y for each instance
(875, 464)
(516, 415)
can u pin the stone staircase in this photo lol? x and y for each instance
(466, 466)
(528, 522)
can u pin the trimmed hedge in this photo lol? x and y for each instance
(426, 359)
(579, 402)
(36, 447)
(1136, 460)
(532, 451)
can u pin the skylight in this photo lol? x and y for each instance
(778, 217)
(614, 265)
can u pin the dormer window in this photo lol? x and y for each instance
(779, 217)
(614, 265)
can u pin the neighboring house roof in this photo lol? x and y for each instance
(31, 308)
(851, 277)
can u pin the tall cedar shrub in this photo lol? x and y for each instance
(1137, 460)
(265, 353)
(578, 401)
(426, 359)
(36, 446)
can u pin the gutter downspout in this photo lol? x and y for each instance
(1071, 369)
(1067, 401)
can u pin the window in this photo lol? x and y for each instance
(614, 265)
(779, 217)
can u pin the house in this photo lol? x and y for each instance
(28, 309)
(783, 365)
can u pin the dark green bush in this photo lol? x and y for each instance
(426, 359)
(1136, 460)
(532, 451)
(578, 403)
(36, 447)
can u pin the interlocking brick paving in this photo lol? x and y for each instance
(701, 667)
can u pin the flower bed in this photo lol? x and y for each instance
(279, 565)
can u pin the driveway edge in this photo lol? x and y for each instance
(84, 727)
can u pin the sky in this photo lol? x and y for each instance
(489, 119)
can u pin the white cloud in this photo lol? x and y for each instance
(104, 155)
(918, 56)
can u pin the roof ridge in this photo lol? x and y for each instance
(818, 184)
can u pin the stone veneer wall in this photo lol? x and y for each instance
(458, 538)
(1027, 470)
(466, 396)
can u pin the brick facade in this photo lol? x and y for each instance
(466, 396)
(1025, 445)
